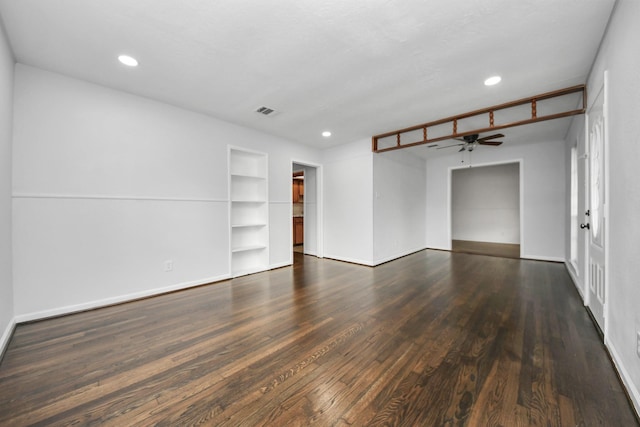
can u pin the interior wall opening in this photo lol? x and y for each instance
(297, 191)
(305, 204)
(485, 210)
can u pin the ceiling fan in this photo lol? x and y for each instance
(469, 142)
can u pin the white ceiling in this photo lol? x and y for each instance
(356, 67)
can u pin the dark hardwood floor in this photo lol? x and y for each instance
(505, 250)
(432, 339)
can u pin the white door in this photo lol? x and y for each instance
(595, 215)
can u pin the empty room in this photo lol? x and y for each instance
(319, 213)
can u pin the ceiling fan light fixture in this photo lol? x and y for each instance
(326, 134)
(493, 80)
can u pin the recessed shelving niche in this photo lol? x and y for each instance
(249, 211)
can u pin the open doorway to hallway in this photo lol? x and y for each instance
(485, 210)
(305, 205)
(297, 191)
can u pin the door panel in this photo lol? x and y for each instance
(596, 274)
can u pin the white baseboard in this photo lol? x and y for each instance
(280, 265)
(400, 255)
(350, 260)
(575, 280)
(440, 248)
(29, 317)
(6, 336)
(543, 258)
(633, 391)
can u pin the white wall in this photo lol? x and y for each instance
(399, 205)
(485, 204)
(374, 204)
(618, 55)
(348, 204)
(543, 196)
(6, 108)
(108, 186)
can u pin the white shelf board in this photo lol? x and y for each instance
(255, 224)
(248, 176)
(248, 248)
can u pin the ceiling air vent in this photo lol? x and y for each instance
(265, 111)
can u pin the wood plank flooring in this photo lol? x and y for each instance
(432, 339)
(505, 250)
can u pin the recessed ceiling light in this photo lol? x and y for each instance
(492, 81)
(128, 60)
(326, 134)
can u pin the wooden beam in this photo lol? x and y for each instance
(535, 118)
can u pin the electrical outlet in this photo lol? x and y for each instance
(168, 265)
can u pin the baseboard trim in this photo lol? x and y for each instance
(543, 258)
(439, 248)
(350, 260)
(6, 337)
(376, 262)
(91, 305)
(280, 265)
(400, 255)
(632, 391)
(575, 280)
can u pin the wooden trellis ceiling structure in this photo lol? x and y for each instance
(492, 123)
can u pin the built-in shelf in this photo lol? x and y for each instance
(247, 163)
(248, 211)
(248, 225)
(246, 176)
(248, 248)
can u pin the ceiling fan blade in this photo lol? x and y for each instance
(495, 143)
(497, 135)
(462, 149)
(448, 146)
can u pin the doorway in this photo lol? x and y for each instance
(305, 205)
(297, 191)
(485, 210)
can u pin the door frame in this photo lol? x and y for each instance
(319, 205)
(520, 163)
